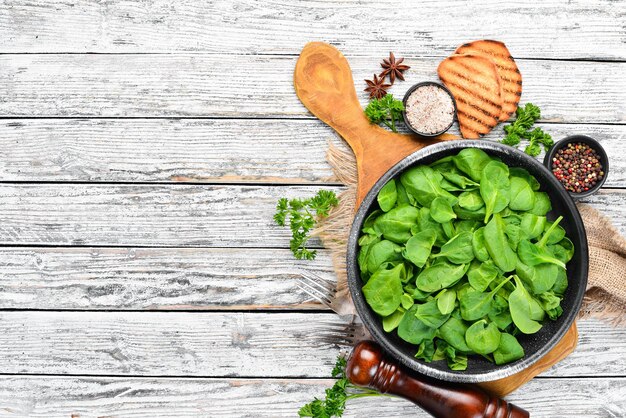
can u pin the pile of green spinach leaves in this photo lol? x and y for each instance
(461, 259)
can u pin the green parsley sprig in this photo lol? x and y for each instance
(520, 129)
(303, 214)
(385, 110)
(335, 402)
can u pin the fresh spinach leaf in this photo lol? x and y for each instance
(475, 305)
(396, 224)
(413, 330)
(382, 252)
(473, 215)
(532, 225)
(480, 275)
(483, 337)
(458, 179)
(453, 332)
(425, 221)
(406, 301)
(441, 210)
(467, 225)
(539, 278)
(439, 276)
(383, 291)
(564, 250)
(553, 234)
(499, 313)
(402, 197)
(419, 247)
(533, 254)
(494, 188)
(524, 309)
(471, 161)
(542, 204)
(522, 196)
(388, 196)
(560, 284)
(458, 250)
(471, 200)
(425, 351)
(425, 185)
(430, 314)
(508, 350)
(446, 300)
(523, 173)
(478, 245)
(392, 321)
(498, 246)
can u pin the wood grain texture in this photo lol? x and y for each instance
(166, 215)
(203, 150)
(197, 216)
(61, 397)
(51, 397)
(250, 398)
(549, 29)
(188, 85)
(155, 278)
(174, 60)
(164, 150)
(219, 344)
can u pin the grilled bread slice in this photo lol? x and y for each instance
(473, 81)
(510, 77)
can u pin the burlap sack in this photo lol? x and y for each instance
(606, 291)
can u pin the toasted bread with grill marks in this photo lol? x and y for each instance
(473, 81)
(510, 77)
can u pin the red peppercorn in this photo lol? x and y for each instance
(577, 166)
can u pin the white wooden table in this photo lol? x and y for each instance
(143, 145)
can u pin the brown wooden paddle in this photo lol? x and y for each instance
(323, 82)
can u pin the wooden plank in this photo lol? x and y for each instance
(155, 278)
(583, 29)
(187, 150)
(191, 150)
(611, 203)
(52, 397)
(168, 215)
(219, 344)
(188, 85)
(196, 216)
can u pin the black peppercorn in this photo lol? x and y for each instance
(577, 167)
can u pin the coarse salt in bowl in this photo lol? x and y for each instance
(429, 109)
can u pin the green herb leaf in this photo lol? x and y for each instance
(520, 129)
(303, 214)
(385, 110)
(334, 404)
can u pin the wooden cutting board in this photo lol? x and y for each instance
(323, 82)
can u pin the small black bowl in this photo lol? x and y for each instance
(411, 90)
(535, 345)
(604, 160)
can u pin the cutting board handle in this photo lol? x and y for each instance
(368, 367)
(323, 82)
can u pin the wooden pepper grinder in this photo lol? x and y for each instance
(369, 367)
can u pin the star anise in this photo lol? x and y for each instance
(393, 68)
(377, 88)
